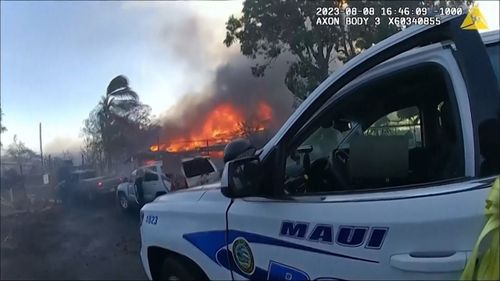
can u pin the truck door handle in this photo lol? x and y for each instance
(430, 262)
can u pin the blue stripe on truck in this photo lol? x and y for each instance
(210, 242)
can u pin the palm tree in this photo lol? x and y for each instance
(119, 100)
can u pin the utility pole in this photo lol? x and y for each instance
(41, 151)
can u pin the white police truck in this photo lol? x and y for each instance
(381, 173)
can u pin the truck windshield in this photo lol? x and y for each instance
(196, 167)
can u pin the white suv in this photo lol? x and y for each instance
(199, 171)
(154, 184)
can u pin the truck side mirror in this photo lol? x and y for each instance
(241, 177)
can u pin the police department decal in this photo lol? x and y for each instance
(242, 255)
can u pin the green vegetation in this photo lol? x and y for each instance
(268, 29)
(115, 125)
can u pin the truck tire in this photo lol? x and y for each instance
(123, 202)
(174, 269)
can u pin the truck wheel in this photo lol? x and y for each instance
(172, 269)
(123, 202)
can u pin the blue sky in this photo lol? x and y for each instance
(58, 57)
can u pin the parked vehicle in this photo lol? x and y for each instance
(199, 170)
(348, 188)
(154, 183)
(84, 184)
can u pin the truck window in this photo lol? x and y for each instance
(404, 122)
(150, 176)
(410, 135)
(489, 131)
(196, 167)
(493, 52)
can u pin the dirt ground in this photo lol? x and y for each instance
(76, 242)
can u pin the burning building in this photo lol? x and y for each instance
(236, 104)
(224, 123)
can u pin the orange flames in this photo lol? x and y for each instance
(222, 125)
(264, 111)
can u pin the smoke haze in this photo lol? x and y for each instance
(233, 83)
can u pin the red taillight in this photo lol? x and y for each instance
(99, 184)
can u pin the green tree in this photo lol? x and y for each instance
(268, 29)
(18, 151)
(92, 149)
(117, 102)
